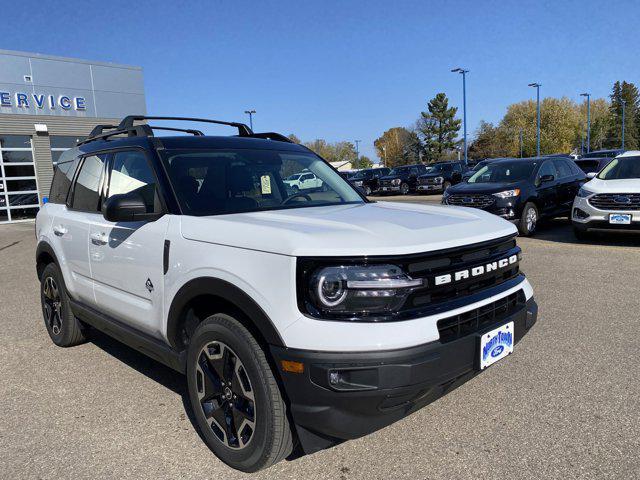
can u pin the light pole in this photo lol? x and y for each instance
(250, 113)
(588, 95)
(520, 143)
(464, 106)
(357, 153)
(624, 102)
(537, 87)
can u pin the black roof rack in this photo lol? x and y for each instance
(127, 127)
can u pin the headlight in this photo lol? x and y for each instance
(358, 183)
(360, 289)
(583, 192)
(396, 181)
(508, 193)
(438, 179)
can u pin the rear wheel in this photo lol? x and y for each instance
(235, 398)
(63, 327)
(529, 220)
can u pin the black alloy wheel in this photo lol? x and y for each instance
(226, 395)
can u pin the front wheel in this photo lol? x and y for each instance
(367, 191)
(404, 188)
(63, 327)
(581, 234)
(236, 401)
(529, 220)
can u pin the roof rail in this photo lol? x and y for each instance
(127, 123)
(272, 136)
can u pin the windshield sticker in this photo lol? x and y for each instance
(265, 184)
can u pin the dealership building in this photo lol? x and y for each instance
(46, 105)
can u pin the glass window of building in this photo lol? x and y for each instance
(60, 143)
(19, 198)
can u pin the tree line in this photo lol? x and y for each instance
(339, 152)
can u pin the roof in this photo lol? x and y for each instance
(17, 53)
(630, 153)
(194, 142)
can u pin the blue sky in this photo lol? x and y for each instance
(339, 70)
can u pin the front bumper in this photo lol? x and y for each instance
(389, 188)
(393, 384)
(586, 217)
(430, 187)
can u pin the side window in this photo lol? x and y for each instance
(86, 190)
(547, 168)
(132, 173)
(62, 177)
(457, 167)
(413, 171)
(564, 170)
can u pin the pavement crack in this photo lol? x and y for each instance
(10, 245)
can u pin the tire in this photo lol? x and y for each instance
(367, 191)
(528, 220)
(246, 392)
(404, 188)
(63, 327)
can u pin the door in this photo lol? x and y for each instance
(456, 175)
(72, 224)
(567, 186)
(127, 257)
(547, 190)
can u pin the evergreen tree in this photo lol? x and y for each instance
(629, 93)
(439, 127)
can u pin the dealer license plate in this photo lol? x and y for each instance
(620, 219)
(496, 344)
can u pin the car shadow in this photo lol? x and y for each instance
(560, 230)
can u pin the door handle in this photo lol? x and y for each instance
(98, 238)
(59, 230)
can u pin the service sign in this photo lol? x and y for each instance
(41, 101)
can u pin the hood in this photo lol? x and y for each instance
(383, 228)
(487, 188)
(432, 175)
(629, 185)
(390, 177)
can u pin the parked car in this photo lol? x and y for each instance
(604, 153)
(369, 180)
(402, 179)
(611, 200)
(300, 319)
(440, 176)
(521, 190)
(303, 181)
(592, 165)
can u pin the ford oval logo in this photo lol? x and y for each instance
(622, 199)
(497, 351)
(467, 200)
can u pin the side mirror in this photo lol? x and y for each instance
(547, 178)
(127, 207)
(591, 175)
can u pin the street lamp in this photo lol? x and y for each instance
(624, 103)
(537, 87)
(250, 113)
(357, 153)
(464, 106)
(588, 95)
(521, 143)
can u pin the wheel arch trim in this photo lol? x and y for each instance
(229, 292)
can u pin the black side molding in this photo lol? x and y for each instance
(135, 339)
(165, 256)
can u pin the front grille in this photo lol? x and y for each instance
(472, 200)
(427, 181)
(616, 201)
(457, 326)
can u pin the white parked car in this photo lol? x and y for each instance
(299, 318)
(611, 200)
(303, 181)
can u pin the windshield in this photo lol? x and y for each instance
(621, 168)
(216, 182)
(509, 172)
(435, 168)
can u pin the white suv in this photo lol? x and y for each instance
(611, 200)
(299, 318)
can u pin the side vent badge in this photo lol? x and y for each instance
(149, 285)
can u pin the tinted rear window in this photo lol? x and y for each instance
(62, 176)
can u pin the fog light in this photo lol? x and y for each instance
(581, 214)
(354, 379)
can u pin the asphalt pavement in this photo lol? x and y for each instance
(564, 405)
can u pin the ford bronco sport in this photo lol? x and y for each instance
(300, 318)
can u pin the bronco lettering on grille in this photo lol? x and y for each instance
(475, 271)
